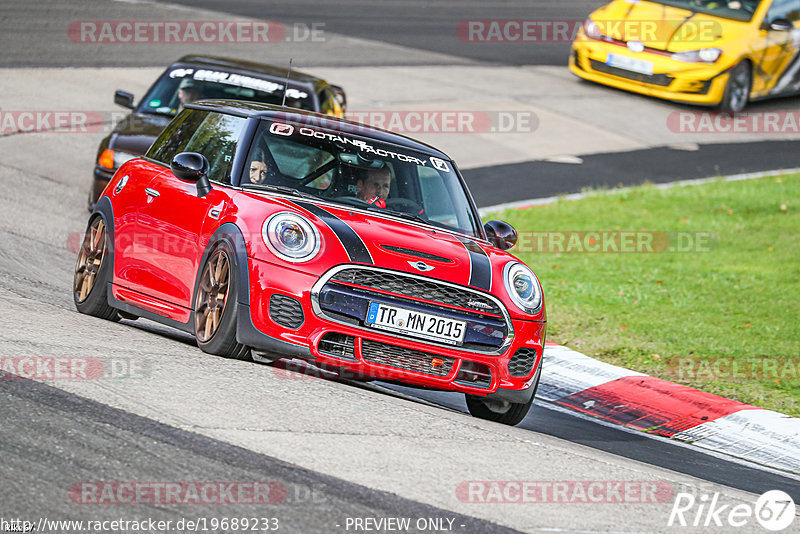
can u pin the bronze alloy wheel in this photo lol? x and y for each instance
(212, 296)
(90, 260)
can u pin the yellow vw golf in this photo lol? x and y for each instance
(708, 52)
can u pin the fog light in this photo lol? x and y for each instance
(474, 374)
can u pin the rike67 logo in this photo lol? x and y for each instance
(775, 511)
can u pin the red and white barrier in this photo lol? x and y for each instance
(655, 406)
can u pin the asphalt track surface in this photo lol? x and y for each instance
(52, 437)
(430, 26)
(545, 419)
(63, 438)
(539, 179)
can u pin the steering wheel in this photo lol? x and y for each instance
(405, 205)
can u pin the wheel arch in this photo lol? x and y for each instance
(232, 235)
(105, 210)
(246, 332)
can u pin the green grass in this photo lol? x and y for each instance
(644, 311)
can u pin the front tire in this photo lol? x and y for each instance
(215, 307)
(505, 412)
(92, 272)
(737, 90)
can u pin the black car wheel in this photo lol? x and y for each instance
(737, 91)
(500, 411)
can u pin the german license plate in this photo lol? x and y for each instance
(414, 323)
(631, 64)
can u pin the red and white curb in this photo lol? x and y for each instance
(659, 407)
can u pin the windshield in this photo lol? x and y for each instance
(182, 85)
(359, 172)
(732, 9)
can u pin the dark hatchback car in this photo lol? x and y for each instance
(203, 77)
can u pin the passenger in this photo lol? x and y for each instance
(258, 168)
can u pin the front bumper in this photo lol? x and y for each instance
(692, 83)
(285, 323)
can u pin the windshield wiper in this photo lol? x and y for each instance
(156, 113)
(400, 214)
(409, 216)
(281, 189)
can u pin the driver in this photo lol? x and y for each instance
(189, 90)
(374, 188)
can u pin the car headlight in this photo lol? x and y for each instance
(591, 30)
(113, 159)
(523, 287)
(706, 55)
(291, 237)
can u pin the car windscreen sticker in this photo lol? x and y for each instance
(439, 164)
(279, 128)
(350, 240)
(239, 80)
(363, 146)
(480, 275)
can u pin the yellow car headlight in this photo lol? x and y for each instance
(591, 30)
(705, 55)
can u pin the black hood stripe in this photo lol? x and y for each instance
(480, 275)
(352, 243)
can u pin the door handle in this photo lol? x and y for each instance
(151, 192)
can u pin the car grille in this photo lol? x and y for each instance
(407, 359)
(661, 80)
(286, 311)
(416, 288)
(521, 364)
(338, 345)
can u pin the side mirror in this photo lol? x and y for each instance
(781, 25)
(192, 167)
(121, 98)
(501, 234)
(338, 94)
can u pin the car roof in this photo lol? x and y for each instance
(263, 69)
(316, 120)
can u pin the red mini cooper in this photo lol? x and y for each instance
(273, 233)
